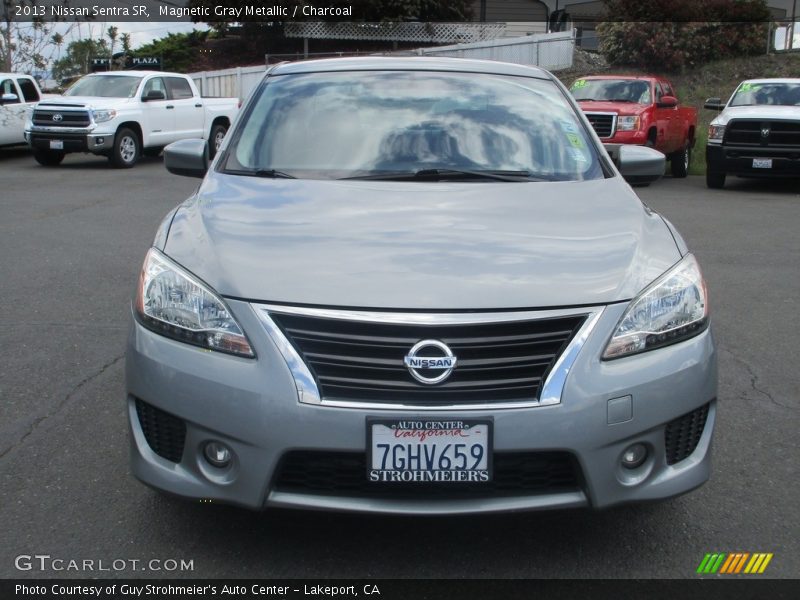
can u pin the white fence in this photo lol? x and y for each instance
(551, 51)
(237, 82)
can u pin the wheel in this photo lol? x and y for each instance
(48, 158)
(126, 150)
(152, 152)
(679, 162)
(715, 180)
(215, 138)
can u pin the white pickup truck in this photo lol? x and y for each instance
(18, 93)
(125, 114)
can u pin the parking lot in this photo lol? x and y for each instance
(72, 240)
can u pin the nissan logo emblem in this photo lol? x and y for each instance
(57, 117)
(430, 361)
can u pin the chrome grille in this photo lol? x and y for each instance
(603, 123)
(364, 361)
(781, 134)
(72, 118)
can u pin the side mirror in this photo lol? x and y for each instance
(714, 104)
(639, 164)
(154, 95)
(9, 99)
(668, 102)
(187, 157)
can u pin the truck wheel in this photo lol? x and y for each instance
(714, 180)
(215, 138)
(126, 150)
(679, 162)
(47, 158)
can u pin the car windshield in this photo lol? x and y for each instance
(105, 86)
(612, 90)
(400, 124)
(779, 94)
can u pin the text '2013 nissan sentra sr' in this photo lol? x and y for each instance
(413, 285)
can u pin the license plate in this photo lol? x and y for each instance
(429, 450)
(762, 163)
(56, 144)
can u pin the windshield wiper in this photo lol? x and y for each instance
(585, 99)
(621, 100)
(270, 173)
(449, 174)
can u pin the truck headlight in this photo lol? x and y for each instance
(101, 116)
(628, 123)
(716, 132)
(173, 302)
(672, 309)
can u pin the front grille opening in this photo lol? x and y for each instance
(682, 435)
(602, 124)
(165, 433)
(364, 361)
(516, 474)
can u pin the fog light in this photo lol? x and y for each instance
(99, 141)
(217, 454)
(634, 456)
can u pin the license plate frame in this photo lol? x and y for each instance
(56, 144)
(762, 163)
(482, 470)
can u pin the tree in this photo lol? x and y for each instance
(112, 35)
(178, 50)
(674, 34)
(78, 58)
(30, 46)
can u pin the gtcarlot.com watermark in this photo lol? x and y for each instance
(47, 563)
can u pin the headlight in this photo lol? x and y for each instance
(101, 116)
(174, 303)
(627, 123)
(716, 132)
(672, 309)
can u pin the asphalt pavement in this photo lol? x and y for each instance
(71, 243)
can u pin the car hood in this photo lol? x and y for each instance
(415, 245)
(622, 108)
(82, 102)
(761, 111)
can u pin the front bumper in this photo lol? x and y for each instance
(738, 160)
(39, 138)
(252, 406)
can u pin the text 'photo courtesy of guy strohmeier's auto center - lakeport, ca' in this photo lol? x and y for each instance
(464, 299)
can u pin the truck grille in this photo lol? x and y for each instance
(364, 361)
(682, 435)
(604, 123)
(780, 134)
(345, 474)
(72, 118)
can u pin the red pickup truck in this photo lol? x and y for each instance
(641, 110)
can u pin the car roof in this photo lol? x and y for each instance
(409, 63)
(15, 75)
(136, 73)
(774, 80)
(643, 77)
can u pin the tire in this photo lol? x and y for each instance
(152, 152)
(215, 138)
(48, 158)
(679, 162)
(127, 149)
(714, 180)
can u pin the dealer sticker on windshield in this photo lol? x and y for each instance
(429, 450)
